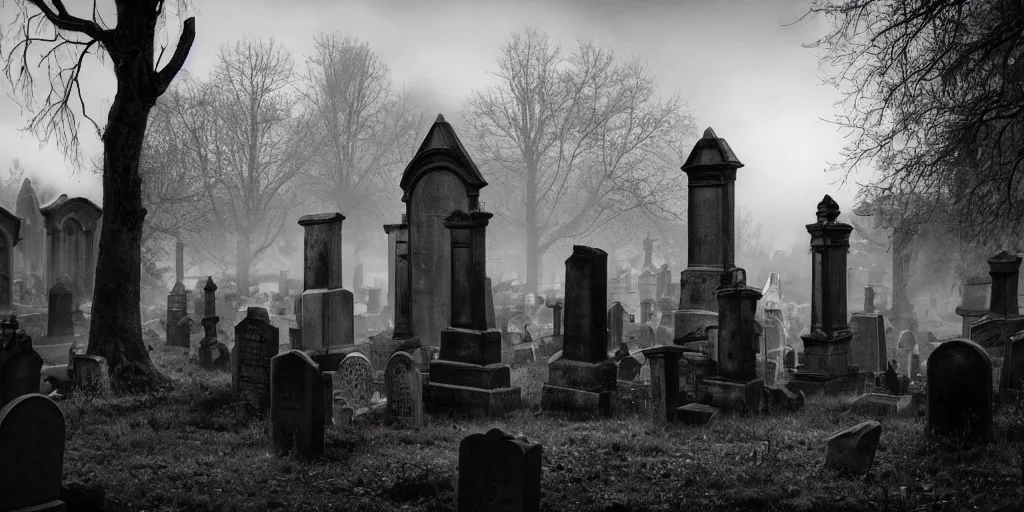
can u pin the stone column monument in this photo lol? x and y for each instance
(737, 387)
(326, 308)
(711, 170)
(469, 376)
(827, 344)
(584, 378)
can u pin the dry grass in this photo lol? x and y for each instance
(193, 449)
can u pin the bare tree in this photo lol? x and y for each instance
(368, 131)
(263, 141)
(10, 185)
(63, 40)
(585, 136)
(934, 100)
(173, 190)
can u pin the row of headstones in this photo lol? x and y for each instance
(302, 402)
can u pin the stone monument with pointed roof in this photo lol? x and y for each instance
(711, 231)
(30, 252)
(440, 179)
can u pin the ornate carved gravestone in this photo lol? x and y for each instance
(32, 444)
(354, 381)
(403, 385)
(297, 416)
(256, 343)
(959, 388)
(498, 473)
(60, 314)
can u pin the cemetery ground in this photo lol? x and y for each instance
(197, 448)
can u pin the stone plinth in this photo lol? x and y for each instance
(469, 377)
(1002, 320)
(584, 379)
(737, 330)
(326, 309)
(733, 396)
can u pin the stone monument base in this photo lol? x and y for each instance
(464, 400)
(993, 332)
(471, 345)
(326, 319)
(732, 396)
(471, 389)
(576, 386)
(692, 324)
(812, 383)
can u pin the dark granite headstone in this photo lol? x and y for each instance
(32, 448)
(60, 313)
(959, 375)
(297, 416)
(629, 368)
(256, 343)
(498, 473)
(20, 370)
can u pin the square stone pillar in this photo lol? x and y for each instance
(583, 380)
(827, 344)
(1002, 320)
(179, 262)
(869, 300)
(556, 316)
(664, 360)
(469, 377)
(402, 304)
(326, 308)
(711, 230)
(736, 386)
(392, 232)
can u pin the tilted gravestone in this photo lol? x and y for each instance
(629, 368)
(853, 450)
(354, 381)
(60, 312)
(297, 415)
(403, 385)
(32, 444)
(959, 387)
(499, 473)
(256, 343)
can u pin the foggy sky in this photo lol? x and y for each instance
(739, 69)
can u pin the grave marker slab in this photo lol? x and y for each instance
(853, 450)
(60, 312)
(32, 444)
(354, 380)
(297, 403)
(959, 387)
(91, 374)
(256, 343)
(498, 473)
(403, 385)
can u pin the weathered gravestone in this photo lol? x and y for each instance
(853, 450)
(904, 348)
(32, 447)
(498, 473)
(403, 385)
(629, 368)
(20, 365)
(354, 381)
(256, 343)
(297, 416)
(1012, 374)
(91, 374)
(60, 312)
(959, 386)
(178, 335)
